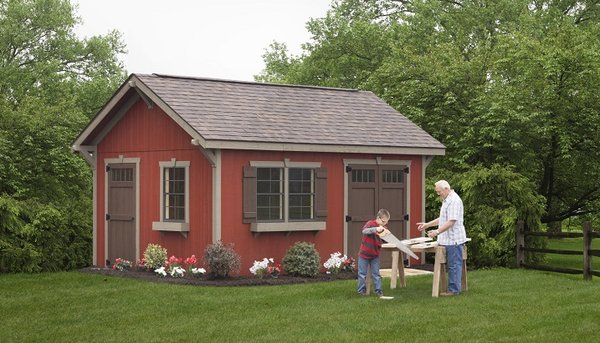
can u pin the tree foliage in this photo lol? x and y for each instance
(51, 84)
(514, 83)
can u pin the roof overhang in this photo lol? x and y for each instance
(237, 145)
(134, 89)
(116, 107)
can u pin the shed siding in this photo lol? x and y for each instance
(149, 134)
(275, 244)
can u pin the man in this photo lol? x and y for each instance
(450, 234)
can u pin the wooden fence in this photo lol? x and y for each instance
(587, 251)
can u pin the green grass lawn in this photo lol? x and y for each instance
(500, 305)
(571, 261)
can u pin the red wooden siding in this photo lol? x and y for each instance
(151, 136)
(275, 244)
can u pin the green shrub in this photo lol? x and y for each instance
(494, 199)
(41, 237)
(221, 259)
(154, 256)
(302, 259)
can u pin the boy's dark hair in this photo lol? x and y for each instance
(383, 213)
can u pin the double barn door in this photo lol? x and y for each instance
(371, 187)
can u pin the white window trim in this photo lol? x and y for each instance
(286, 224)
(163, 225)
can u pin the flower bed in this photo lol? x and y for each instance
(208, 281)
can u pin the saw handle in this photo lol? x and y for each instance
(385, 232)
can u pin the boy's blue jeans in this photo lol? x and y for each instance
(363, 265)
(454, 255)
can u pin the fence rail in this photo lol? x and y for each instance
(587, 252)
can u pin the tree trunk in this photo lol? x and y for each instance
(555, 226)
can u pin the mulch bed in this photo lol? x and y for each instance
(230, 281)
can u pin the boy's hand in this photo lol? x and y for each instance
(385, 232)
(421, 226)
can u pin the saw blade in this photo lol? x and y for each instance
(390, 238)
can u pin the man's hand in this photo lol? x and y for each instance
(433, 233)
(421, 226)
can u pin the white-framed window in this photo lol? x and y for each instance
(174, 196)
(281, 191)
(289, 196)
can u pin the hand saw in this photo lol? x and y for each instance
(390, 238)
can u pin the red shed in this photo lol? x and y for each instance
(185, 162)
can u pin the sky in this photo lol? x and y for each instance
(222, 39)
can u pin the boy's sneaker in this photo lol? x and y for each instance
(362, 294)
(381, 296)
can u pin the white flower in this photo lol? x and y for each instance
(260, 265)
(161, 271)
(196, 271)
(335, 261)
(177, 272)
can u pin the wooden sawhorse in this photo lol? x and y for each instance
(439, 267)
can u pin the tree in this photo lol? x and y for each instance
(506, 82)
(51, 84)
(510, 87)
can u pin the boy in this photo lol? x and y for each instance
(369, 252)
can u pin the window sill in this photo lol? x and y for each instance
(182, 228)
(287, 227)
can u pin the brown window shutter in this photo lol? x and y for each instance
(249, 195)
(321, 193)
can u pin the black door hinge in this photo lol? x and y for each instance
(107, 217)
(406, 217)
(107, 169)
(348, 169)
(348, 219)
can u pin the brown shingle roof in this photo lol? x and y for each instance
(251, 112)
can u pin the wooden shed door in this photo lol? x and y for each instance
(371, 187)
(121, 238)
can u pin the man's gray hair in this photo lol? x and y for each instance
(443, 184)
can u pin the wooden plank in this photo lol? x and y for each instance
(394, 276)
(553, 251)
(555, 234)
(587, 246)
(520, 243)
(416, 240)
(424, 247)
(390, 238)
(553, 269)
(437, 270)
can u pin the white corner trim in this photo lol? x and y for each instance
(216, 197)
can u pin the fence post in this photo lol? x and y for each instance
(587, 246)
(520, 242)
